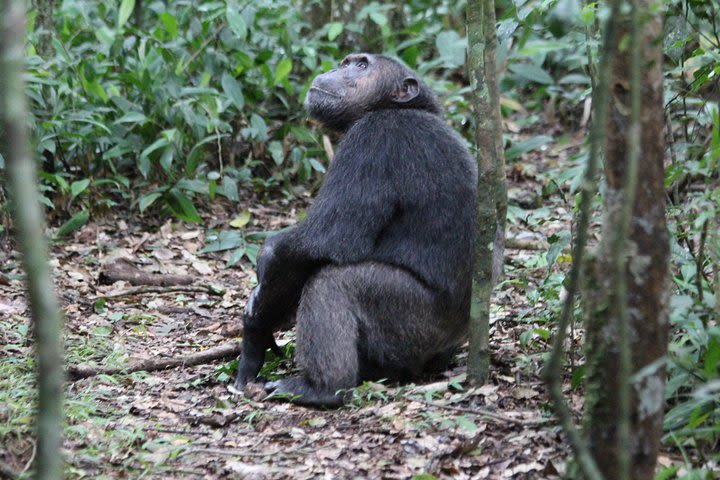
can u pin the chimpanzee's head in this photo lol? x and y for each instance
(364, 83)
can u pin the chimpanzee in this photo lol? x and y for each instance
(378, 276)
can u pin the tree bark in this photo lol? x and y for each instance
(626, 311)
(492, 196)
(44, 22)
(29, 228)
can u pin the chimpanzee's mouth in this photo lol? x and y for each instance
(326, 92)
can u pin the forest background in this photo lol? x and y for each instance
(166, 113)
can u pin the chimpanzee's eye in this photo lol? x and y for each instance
(362, 64)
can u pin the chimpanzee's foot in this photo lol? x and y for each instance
(299, 390)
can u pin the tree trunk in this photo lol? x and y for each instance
(44, 22)
(29, 228)
(627, 324)
(492, 198)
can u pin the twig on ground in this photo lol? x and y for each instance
(122, 271)
(243, 453)
(485, 414)
(170, 289)
(223, 352)
(140, 243)
(525, 244)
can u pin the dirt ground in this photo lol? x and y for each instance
(182, 422)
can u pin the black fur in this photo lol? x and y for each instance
(378, 276)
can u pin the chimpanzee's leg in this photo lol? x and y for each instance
(365, 321)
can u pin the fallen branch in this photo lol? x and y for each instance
(525, 244)
(213, 290)
(122, 271)
(487, 414)
(298, 449)
(223, 352)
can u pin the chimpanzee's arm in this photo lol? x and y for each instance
(355, 203)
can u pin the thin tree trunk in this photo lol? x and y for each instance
(44, 21)
(492, 198)
(29, 227)
(627, 324)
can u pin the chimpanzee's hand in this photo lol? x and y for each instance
(252, 357)
(256, 339)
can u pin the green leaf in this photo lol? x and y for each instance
(303, 134)
(132, 117)
(76, 222)
(46, 201)
(226, 240)
(241, 220)
(145, 155)
(170, 23)
(466, 424)
(148, 199)
(558, 241)
(712, 358)
(97, 89)
(452, 48)
(105, 35)
(531, 72)
(126, 9)
(283, 70)
(195, 186)
(78, 187)
(578, 376)
(528, 145)
(257, 129)
(236, 22)
(251, 251)
(166, 160)
(334, 30)
(539, 46)
(235, 257)
(276, 152)
(182, 207)
(229, 188)
(233, 90)
(317, 166)
(379, 18)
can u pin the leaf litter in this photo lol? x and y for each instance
(183, 422)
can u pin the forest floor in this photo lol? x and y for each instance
(183, 422)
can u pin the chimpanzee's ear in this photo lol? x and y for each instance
(409, 89)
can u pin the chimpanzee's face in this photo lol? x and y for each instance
(361, 84)
(341, 96)
(346, 81)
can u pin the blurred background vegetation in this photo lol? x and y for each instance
(164, 107)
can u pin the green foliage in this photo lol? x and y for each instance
(692, 43)
(550, 48)
(200, 101)
(180, 103)
(369, 393)
(180, 106)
